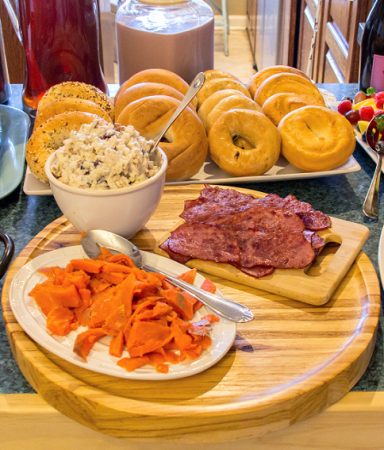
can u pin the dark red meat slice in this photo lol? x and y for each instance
(313, 219)
(204, 242)
(278, 243)
(215, 202)
(283, 250)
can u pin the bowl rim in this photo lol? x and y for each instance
(103, 192)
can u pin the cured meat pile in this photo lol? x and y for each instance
(256, 235)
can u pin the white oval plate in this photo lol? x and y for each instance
(33, 322)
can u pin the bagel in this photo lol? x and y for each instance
(78, 90)
(208, 104)
(54, 107)
(236, 101)
(141, 90)
(156, 76)
(244, 143)
(217, 84)
(279, 105)
(214, 73)
(286, 82)
(257, 78)
(315, 138)
(185, 143)
(49, 136)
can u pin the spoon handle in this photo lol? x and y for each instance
(224, 307)
(371, 202)
(194, 88)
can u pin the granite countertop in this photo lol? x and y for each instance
(341, 196)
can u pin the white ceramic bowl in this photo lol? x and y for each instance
(123, 211)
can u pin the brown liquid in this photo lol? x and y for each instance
(185, 53)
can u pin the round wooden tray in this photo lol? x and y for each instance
(291, 362)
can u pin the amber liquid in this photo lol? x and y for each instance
(61, 43)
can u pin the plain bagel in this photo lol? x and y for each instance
(208, 104)
(142, 90)
(244, 142)
(236, 101)
(157, 76)
(286, 82)
(217, 84)
(185, 143)
(259, 77)
(315, 138)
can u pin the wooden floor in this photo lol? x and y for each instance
(239, 62)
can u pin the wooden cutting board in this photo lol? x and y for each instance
(290, 363)
(313, 285)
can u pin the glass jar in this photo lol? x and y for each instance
(177, 35)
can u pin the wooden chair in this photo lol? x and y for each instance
(223, 10)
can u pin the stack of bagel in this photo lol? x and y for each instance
(243, 128)
(146, 101)
(63, 108)
(313, 138)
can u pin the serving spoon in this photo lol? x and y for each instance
(374, 135)
(194, 88)
(94, 239)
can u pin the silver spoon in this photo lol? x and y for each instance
(371, 202)
(194, 88)
(94, 239)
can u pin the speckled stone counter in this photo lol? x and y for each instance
(341, 196)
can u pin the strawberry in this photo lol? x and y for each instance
(378, 112)
(379, 99)
(366, 113)
(344, 106)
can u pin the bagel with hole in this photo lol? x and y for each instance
(49, 136)
(185, 143)
(244, 142)
(236, 101)
(286, 82)
(218, 84)
(315, 138)
(142, 90)
(77, 89)
(257, 78)
(279, 105)
(66, 104)
(208, 104)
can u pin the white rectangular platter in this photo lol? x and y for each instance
(210, 173)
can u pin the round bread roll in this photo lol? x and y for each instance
(78, 90)
(244, 142)
(54, 107)
(286, 82)
(279, 105)
(49, 136)
(157, 76)
(257, 78)
(236, 101)
(208, 104)
(217, 84)
(142, 90)
(214, 73)
(185, 143)
(315, 138)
